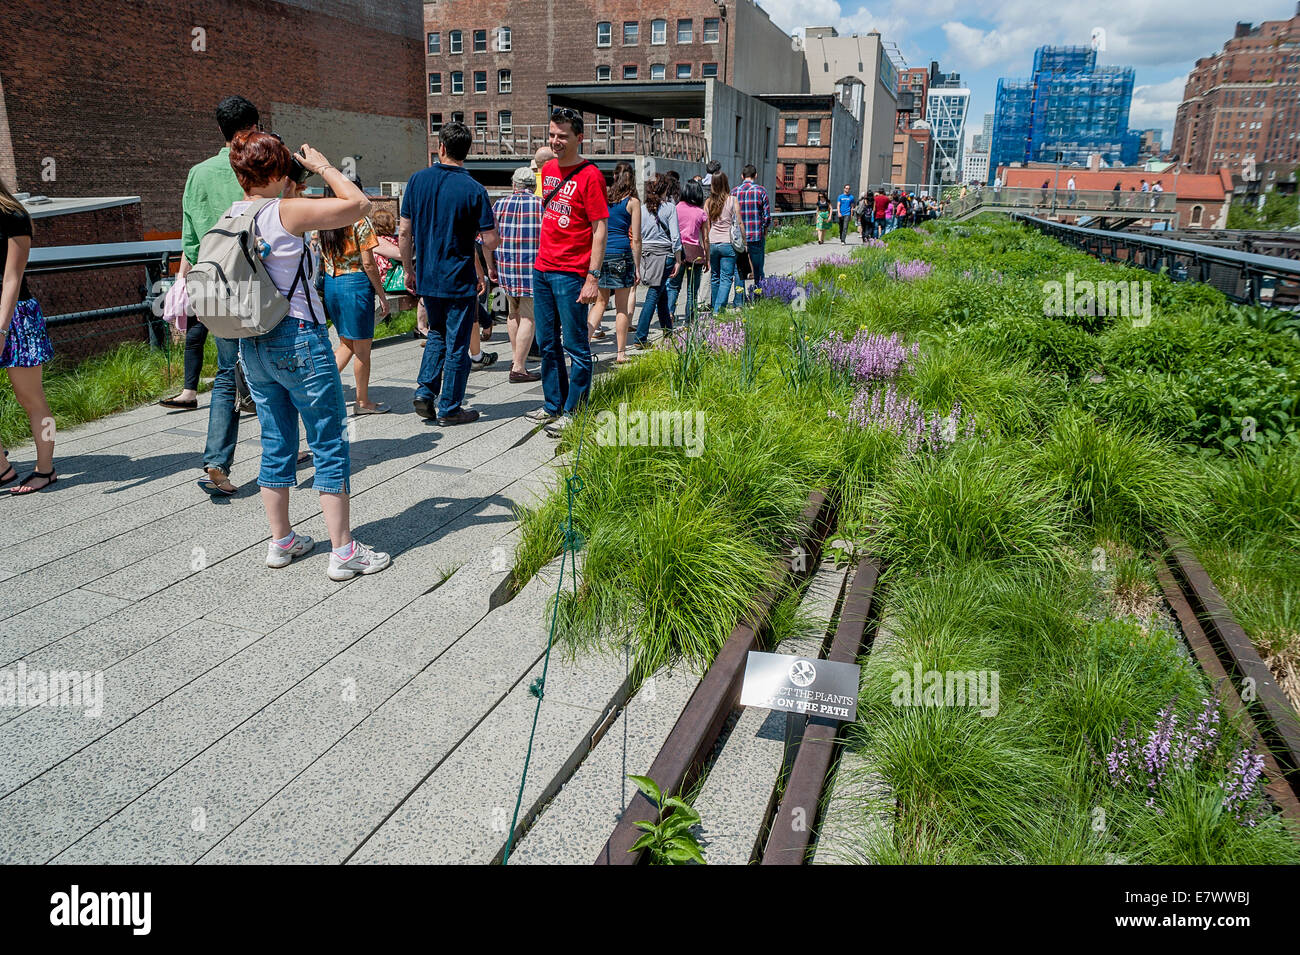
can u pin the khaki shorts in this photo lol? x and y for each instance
(521, 305)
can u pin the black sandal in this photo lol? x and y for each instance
(190, 405)
(12, 475)
(49, 479)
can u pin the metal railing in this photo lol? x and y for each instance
(1242, 276)
(616, 139)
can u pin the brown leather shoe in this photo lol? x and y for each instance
(463, 416)
(519, 377)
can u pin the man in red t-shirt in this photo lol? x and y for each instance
(569, 256)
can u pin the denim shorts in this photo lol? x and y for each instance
(291, 372)
(616, 271)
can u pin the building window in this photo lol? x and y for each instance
(787, 175)
(658, 124)
(602, 123)
(435, 44)
(480, 120)
(458, 117)
(503, 81)
(457, 83)
(683, 71)
(454, 41)
(435, 83)
(604, 34)
(1196, 215)
(503, 39)
(811, 181)
(683, 125)
(709, 71)
(480, 41)
(505, 121)
(711, 29)
(657, 71)
(791, 132)
(814, 132)
(685, 31)
(631, 32)
(602, 74)
(480, 81)
(629, 72)
(435, 123)
(658, 32)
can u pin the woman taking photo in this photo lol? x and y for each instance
(823, 217)
(722, 210)
(351, 283)
(291, 368)
(24, 345)
(661, 246)
(618, 271)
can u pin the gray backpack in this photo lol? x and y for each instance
(229, 288)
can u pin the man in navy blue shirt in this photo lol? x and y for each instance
(845, 200)
(443, 212)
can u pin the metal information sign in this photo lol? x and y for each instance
(779, 681)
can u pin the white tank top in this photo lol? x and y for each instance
(281, 261)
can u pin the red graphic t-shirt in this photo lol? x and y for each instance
(566, 221)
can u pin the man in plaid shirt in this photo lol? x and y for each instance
(519, 224)
(755, 217)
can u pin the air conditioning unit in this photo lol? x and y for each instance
(392, 189)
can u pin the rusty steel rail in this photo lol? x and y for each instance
(697, 729)
(1228, 657)
(796, 817)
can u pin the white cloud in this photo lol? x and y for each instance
(970, 48)
(1155, 106)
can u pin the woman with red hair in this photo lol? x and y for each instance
(291, 369)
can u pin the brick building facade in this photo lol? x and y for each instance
(487, 62)
(1243, 101)
(97, 101)
(819, 149)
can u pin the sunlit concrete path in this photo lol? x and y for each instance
(222, 711)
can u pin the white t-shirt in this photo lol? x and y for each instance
(281, 261)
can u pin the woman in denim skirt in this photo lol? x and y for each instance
(24, 345)
(620, 268)
(350, 286)
(291, 369)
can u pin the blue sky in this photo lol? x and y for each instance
(1160, 39)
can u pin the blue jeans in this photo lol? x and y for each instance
(446, 350)
(561, 322)
(223, 418)
(656, 300)
(722, 274)
(291, 372)
(756, 252)
(690, 275)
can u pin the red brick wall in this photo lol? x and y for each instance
(124, 106)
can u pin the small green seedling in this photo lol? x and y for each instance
(669, 841)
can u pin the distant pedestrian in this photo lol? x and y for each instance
(844, 206)
(575, 218)
(351, 284)
(443, 212)
(882, 213)
(291, 370)
(723, 210)
(24, 345)
(1069, 191)
(867, 215)
(543, 155)
(519, 225)
(619, 273)
(823, 217)
(710, 169)
(661, 247)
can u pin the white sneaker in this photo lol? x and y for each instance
(364, 560)
(277, 556)
(540, 414)
(556, 427)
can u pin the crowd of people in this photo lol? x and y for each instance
(876, 213)
(558, 248)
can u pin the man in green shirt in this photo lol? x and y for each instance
(210, 189)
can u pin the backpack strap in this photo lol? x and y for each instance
(301, 275)
(572, 172)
